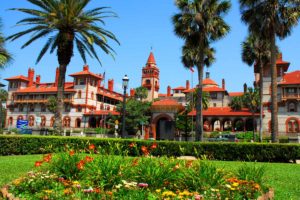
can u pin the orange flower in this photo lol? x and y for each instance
(92, 147)
(47, 158)
(68, 191)
(97, 190)
(109, 193)
(89, 159)
(80, 165)
(71, 153)
(38, 163)
(131, 145)
(189, 164)
(145, 150)
(177, 166)
(135, 162)
(153, 146)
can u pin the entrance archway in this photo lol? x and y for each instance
(164, 127)
(92, 122)
(239, 125)
(249, 125)
(78, 123)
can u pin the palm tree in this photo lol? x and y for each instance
(3, 98)
(5, 57)
(257, 51)
(252, 101)
(237, 103)
(270, 19)
(192, 99)
(66, 23)
(141, 93)
(199, 23)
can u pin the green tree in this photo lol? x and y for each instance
(257, 51)
(137, 113)
(251, 101)
(5, 56)
(199, 23)
(66, 23)
(237, 103)
(270, 19)
(192, 99)
(141, 93)
(52, 104)
(3, 98)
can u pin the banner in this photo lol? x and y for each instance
(22, 125)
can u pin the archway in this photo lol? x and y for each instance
(164, 127)
(227, 125)
(92, 122)
(20, 117)
(10, 121)
(52, 121)
(66, 122)
(31, 120)
(249, 126)
(78, 123)
(43, 121)
(206, 125)
(238, 125)
(216, 125)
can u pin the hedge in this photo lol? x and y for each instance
(21, 145)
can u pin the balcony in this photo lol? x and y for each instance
(291, 96)
(66, 100)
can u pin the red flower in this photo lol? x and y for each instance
(71, 153)
(91, 147)
(135, 162)
(47, 158)
(80, 165)
(153, 146)
(145, 150)
(143, 185)
(38, 163)
(89, 159)
(97, 190)
(131, 145)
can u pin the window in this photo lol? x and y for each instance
(31, 108)
(79, 94)
(292, 107)
(81, 81)
(148, 82)
(21, 108)
(291, 90)
(79, 109)
(92, 95)
(213, 95)
(215, 105)
(67, 108)
(43, 108)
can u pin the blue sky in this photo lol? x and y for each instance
(143, 24)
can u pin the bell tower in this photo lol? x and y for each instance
(150, 78)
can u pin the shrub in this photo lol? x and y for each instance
(21, 145)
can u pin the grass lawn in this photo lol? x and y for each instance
(284, 178)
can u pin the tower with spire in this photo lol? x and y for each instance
(150, 78)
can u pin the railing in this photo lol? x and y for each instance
(66, 100)
(291, 96)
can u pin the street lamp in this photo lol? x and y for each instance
(186, 122)
(125, 85)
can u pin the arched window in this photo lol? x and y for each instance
(79, 109)
(92, 95)
(78, 123)
(52, 121)
(20, 117)
(292, 107)
(43, 121)
(148, 82)
(79, 94)
(31, 120)
(67, 122)
(10, 121)
(292, 125)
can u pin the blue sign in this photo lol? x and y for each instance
(22, 125)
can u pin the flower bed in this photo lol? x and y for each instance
(90, 174)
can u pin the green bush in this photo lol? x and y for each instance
(21, 145)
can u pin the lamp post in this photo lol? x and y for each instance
(125, 85)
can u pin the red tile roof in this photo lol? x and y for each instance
(236, 94)
(209, 81)
(223, 111)
(42, 88)
(151, 59)
(84, 73)
(110, 94)
(20, 77)
(162, 95)
(102, 112)
(179, 88)
(207, 89)
(166, 102)
(291, 78)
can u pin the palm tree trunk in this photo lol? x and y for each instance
(274, 108)
(199, 116)
(261, 89)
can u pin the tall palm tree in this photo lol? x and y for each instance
(257, 51)
(199, 23)
(5, 56)
(66, 23)
(271, 19)
(192, 99)
(237, 103)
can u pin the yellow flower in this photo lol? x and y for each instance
(168, 193)
(75, 182)
(158, 190)
(235, 184)
(17, 182)
(232, 188)
(48, 191)
(228, 186)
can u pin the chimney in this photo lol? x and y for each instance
(30, 76)
(38, 79)
(168, 91)
(187, 85)
(56, 77)
(223, 84)
(245, 87)
(111, 85)
(207, 74)
(132, 92)
(86, 68)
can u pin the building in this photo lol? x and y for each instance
(87, 103)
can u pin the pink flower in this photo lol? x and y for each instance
(143, 185)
